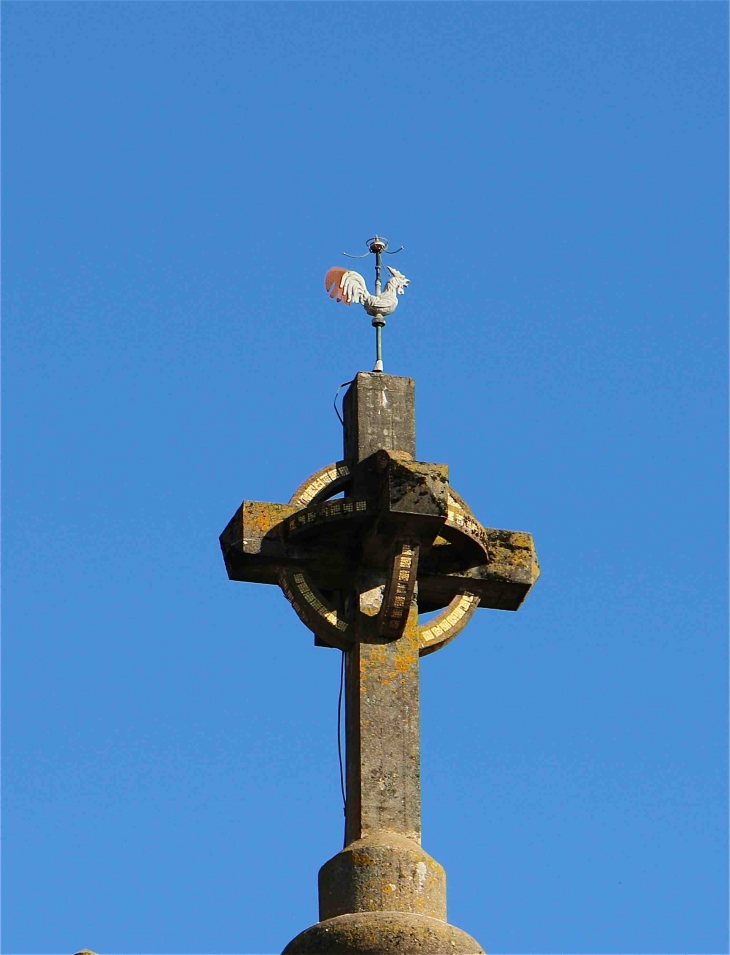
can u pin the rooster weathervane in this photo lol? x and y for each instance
(349, 287)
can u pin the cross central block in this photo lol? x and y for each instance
(410, 499)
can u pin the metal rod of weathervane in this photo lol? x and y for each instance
(378, 246)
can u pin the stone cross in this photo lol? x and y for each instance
(357, 570)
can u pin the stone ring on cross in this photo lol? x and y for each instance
(352, 566)
(415, 500)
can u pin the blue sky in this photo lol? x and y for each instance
(177, 179)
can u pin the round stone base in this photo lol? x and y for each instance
(383, 933)
(382, 872)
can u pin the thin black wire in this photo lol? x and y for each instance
(342, 666)
(339, 746)
(337, 395)
(339, 733)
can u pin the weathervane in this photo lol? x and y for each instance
(350, 287)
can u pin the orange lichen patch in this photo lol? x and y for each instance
(405, 654)
(362, 857)
(260, 518)
(513, 552)
(519, 558)
(375, 657)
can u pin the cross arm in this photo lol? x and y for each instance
(502, 583)
(253, 542)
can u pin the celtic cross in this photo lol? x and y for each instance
(358, 569)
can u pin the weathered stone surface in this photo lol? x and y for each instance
(383, 736)
(380, 933)
(253, 541)
(379, 412)
(384, 871)
(501, 583)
